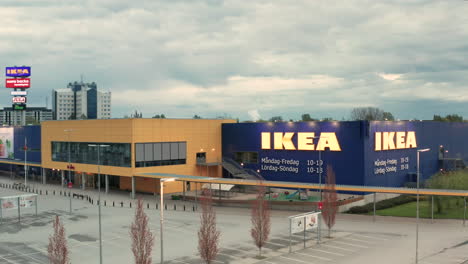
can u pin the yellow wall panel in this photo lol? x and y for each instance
(201, 135)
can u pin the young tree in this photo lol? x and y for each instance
(330, 199)
(261, 223)
(142, 238)
(58, 248)
(208, 235)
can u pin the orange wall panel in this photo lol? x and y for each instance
(201, 135)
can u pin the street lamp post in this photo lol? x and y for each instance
(320, 169)
(161, 194)
(417, 200)
(25, 164)
(69, 163)
(99, 194)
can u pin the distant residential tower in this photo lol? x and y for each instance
(81, 101)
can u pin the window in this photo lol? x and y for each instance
(246, 157)
(116, 154)
(160, 154)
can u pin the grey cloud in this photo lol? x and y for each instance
(145, 45)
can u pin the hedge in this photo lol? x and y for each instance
(384, 204)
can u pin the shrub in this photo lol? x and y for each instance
(384, 204)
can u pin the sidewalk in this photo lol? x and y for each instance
(115, 198)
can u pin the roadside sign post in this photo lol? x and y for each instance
(19, 210)
(70, 167)
(302, 223)
(16, 202)
(290, 234)
(432, 209)
(464, 212)
(304, 233)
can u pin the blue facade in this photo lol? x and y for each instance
(33, 135)
(358, 162)
(92, 103)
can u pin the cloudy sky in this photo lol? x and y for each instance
(245, 59)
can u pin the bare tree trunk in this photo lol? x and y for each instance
(330, 202)
(142, 238)
(58, 249)
(261, 222)
(208, 235)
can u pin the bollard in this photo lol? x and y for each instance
(105, 203)
(175, 208)
(184, 207)
(147, 206)
(113, 204)
(121, 204)
(156, 206)
(193, 208)
(130, 204)
(165, 207)
(40, 192)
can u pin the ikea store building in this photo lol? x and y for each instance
(375, 153)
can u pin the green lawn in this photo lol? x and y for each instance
(282, 197)
(409, 210)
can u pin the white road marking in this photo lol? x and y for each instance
(313, 256)
(179, 261)
(276, 244)
(231, 256)
(301, 261)
(358, 240)
(7, 260)
(345, 249)
(376, 238)
(351, 245)
(327, 252)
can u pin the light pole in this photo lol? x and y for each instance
(25, 158)
(99, 194)
(69, 164)
(161, 194)
(417, 200)
(320, 169)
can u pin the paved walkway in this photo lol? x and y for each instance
(116, 198)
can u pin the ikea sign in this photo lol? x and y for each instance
(395, 140)
(304, 141)
(23, 71)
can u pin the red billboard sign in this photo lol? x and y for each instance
(18, 99)
(20, 83)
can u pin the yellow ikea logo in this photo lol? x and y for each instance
(395, 140)
(305, 141)
(18, 71)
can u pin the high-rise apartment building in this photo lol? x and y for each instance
(81, 101)
(30, 116)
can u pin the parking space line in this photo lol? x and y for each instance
(301, 261)
(313, 256)
(345, 249)
(231, 256)
(179, 261)
(327, 252)
(376, 238)
(358, 240)
(276, 244)
(8, 260)
(351, 245)
(21, 254)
